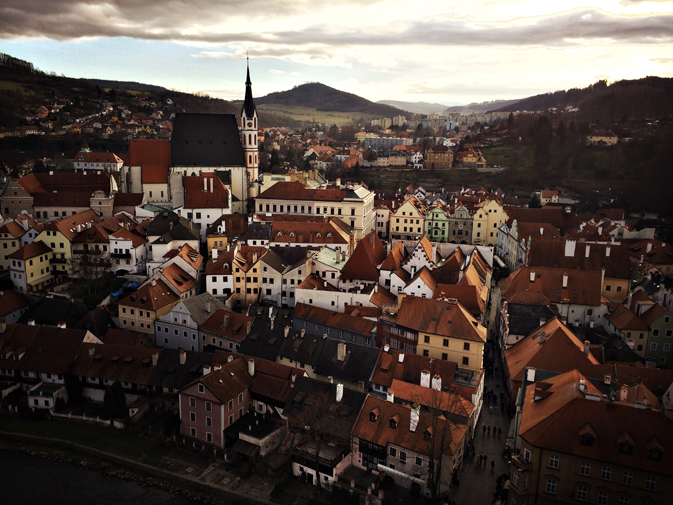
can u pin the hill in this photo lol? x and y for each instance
(480, 108)
(416, 107)
(324, 98)
(23, 89)
(649, 97)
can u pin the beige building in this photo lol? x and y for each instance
(488, 216)
(408, 221)
(139, 310)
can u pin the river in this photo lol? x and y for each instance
(27, 480)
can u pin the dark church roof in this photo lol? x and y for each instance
(206, 140)
(248, 104)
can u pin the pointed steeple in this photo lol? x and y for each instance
(249, 104)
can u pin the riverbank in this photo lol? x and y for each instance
(191, 488)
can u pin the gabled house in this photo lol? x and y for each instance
(206, 199)
(179, 328)
(224, 330)
(139, 310)
(30, 267)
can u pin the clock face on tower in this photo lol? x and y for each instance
(249, 124)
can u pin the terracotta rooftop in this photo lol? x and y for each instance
(30, 251)
(151, 297)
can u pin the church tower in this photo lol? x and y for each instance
(249, 132)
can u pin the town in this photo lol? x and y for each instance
(372, 345)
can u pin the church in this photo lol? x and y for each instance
(221, 144)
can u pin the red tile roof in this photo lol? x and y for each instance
(154, 156)
(389, 368)
(436, 399)
(380, 432)
(363, 263)
(332, 319)
(227, 324)
(297, 191)
(182, 281)
(198, 198)
(30, 251)
(151, 297)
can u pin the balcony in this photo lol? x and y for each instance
(58, 260)
(519, 463)
(125, 255)
(92, 252)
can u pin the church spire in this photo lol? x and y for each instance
(249, 104)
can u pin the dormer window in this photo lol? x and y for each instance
(587, 440)
(626, 443)
(393, 422)
(374, 414)
(654, 454)
(201, 388)
(625, 448)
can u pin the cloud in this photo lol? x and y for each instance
(276, 72)
(228, 22)
(662, 60)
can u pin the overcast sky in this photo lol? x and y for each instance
(444, 51)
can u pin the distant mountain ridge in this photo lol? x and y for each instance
(128, 86)
(324, 98)
(649, 97)
(416, 107)
(480, 108)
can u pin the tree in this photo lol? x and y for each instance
(118, 399)
(561, 132)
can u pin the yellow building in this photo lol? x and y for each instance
(30, 267)
(408, 221)
(441, 330)
(602, 138)
(60, 233)
(10, 238)
(488, 216)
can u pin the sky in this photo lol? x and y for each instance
(445, 51)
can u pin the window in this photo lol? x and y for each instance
(403, 456)
(553, 461)
(230, 406)
(606, 473)
(653, 346)
(587, 440)
(445, 356)
(581, 493)
(651, 483)
(192, 432)
(192, 402)
(209, 407)
(654, 454)
(426, 352)
(551, 486)
(445, 343)
(602, 498)
(627, 478)
(201, 388)
(466, 361)
(585, 468)
(419, 461)
(625, 448)
(526, 456)
(240, 398)
(209, 421)
(192, 417)
(209, 436)
(393, 452)
(515, 479)
(426, 339)
(466, 346)
(624, 500)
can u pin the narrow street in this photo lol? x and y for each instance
(477, 481)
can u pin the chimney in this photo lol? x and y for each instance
(607, 251)
(287, 331)
(79, 228)
(302, 333)
(600, 230)
(211, 184)
(339, 392)
(587, 251)
(565, 280)
(425, 379)
(543, 320)
(206, 369)
(183, 357)
(437, 383)
(570, 248)
(208, 306)
(607, 379)
(155, 358)
(248, 328)
(254, 257)
(531, 276)
(214, 253)
(153, 283)
(251, 367)
(205, 185)
(338, 182)
(623, 393)
(642, 257)
(371, 239)
(400, 358)
(530, 374)
(591, 323)
(582, 387)
(541, 231)
(543, 337)
(649, 247)
(390, 396)
(271, 313)
(61, 324)
(31, 322)
(415, 417)
(586, 347)
(341, 351)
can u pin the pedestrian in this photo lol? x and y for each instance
(489, 430)
(485, 459)
(494, 430)
(483, 431)
(499, 432)
(492, 465)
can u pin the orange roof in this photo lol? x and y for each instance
(297, 191)
(425, 276)
(30, 251)
(182, 281)
(441, 400)
(154, 156)
(152, 295)
(623, 319)
(364, 262)
(13, 228)
(11, 301)
(227, 324)
(68, 225)
(583, 287)
(449, 319)
(448, 437)
(389, 368)
(196, 197)
(552, 347)
(125, 234)
(467, 295)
